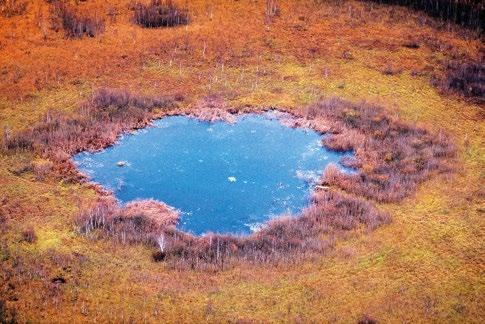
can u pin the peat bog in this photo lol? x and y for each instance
(394, 88)
(390, 158)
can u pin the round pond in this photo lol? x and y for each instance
(227, 178)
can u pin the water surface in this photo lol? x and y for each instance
(227, 178)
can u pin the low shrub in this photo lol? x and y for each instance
(272, 8)
(366, 319)
(115, 102)
(158, 256)
(466, 78)
(284, 239)
(75, 23)
(97, 124)
(137, 222)
(390, 70)
(29, 235)
(7, 315)
(159, 13)
(392, 157)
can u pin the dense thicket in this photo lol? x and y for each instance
(75, 24)
(466, 78)
(160, 13)
(468, 13)
(392, 157)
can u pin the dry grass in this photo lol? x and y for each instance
(75, 23)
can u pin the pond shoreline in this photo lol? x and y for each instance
(186, 162)
(392, 158)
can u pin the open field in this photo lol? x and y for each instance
(426, 265)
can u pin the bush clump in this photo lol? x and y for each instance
(29, 235)
(75, 23)
(392, 157)
(284, 239)
(160, 13)
(141, 221)
(97, 124)
(467, 79)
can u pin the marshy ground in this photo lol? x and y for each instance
(426, 264)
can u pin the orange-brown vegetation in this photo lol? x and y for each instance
(305, 35)
(283, 240)
(392, 157)
(10, 8)
(141, 221)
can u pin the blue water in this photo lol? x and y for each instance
(227, 178)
